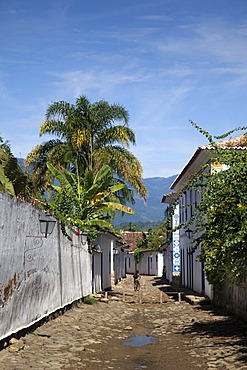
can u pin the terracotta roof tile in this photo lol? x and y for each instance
(129, 239)
(239, 142)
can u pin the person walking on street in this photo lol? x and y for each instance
(164, 272)
(137, 276)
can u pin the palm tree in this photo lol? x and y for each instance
(91, 135)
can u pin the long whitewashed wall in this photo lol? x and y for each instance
(37, 275)
(232, 298)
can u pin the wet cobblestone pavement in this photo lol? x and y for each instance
(93, 336)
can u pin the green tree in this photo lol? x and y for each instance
(222, 215)
(220, 218)
(153, 239)
(91, 135)
(13, 180)
(86, 203)
(6, 184)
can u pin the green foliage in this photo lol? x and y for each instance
(87, 203)
(153, 239)
(5, 145)
(90, 300)
(137, 254)
(220, 218)
(88, 136)
(12, 178)
(222, 215)
(5, 184)
(137, 226)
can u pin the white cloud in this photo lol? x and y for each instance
(163, 69)
(204, 40)
(101, 79)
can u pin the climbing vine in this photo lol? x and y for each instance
(220, 217)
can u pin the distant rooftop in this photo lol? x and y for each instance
(129, 239)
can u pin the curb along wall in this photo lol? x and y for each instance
(37, 275)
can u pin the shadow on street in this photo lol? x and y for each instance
(229, 331)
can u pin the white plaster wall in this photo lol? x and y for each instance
(117, 265)
(197, 273)
(167, 261)
(123, 258)
(208, 289)
(148, 265)
(37, 275)
(130, 263)
(76, 270)
(103, 276)
(123, 270)
(97, 278)
(159, 271)
(184, 264)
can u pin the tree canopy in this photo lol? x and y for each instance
(86, 203)
(13, 180)
(91, 135)
(153, 239)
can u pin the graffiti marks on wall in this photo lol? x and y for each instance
(30, 248)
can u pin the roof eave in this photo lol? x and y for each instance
(191, 169)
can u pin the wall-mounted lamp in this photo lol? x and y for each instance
(94, 248)
(84, 237)
(116, 251)
(188, 233)
(47, 223)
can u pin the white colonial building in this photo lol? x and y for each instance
(191, 272)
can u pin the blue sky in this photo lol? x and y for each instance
(165, 61)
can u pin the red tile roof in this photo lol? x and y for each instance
(129, 239)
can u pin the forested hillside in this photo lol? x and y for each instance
(153, 210)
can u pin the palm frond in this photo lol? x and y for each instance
(53, 127)
(60, 109)
(116, 134)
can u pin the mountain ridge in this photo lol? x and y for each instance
(153, 210)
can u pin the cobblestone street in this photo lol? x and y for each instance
(94, 336)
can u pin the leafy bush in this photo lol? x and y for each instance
(90, 300)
